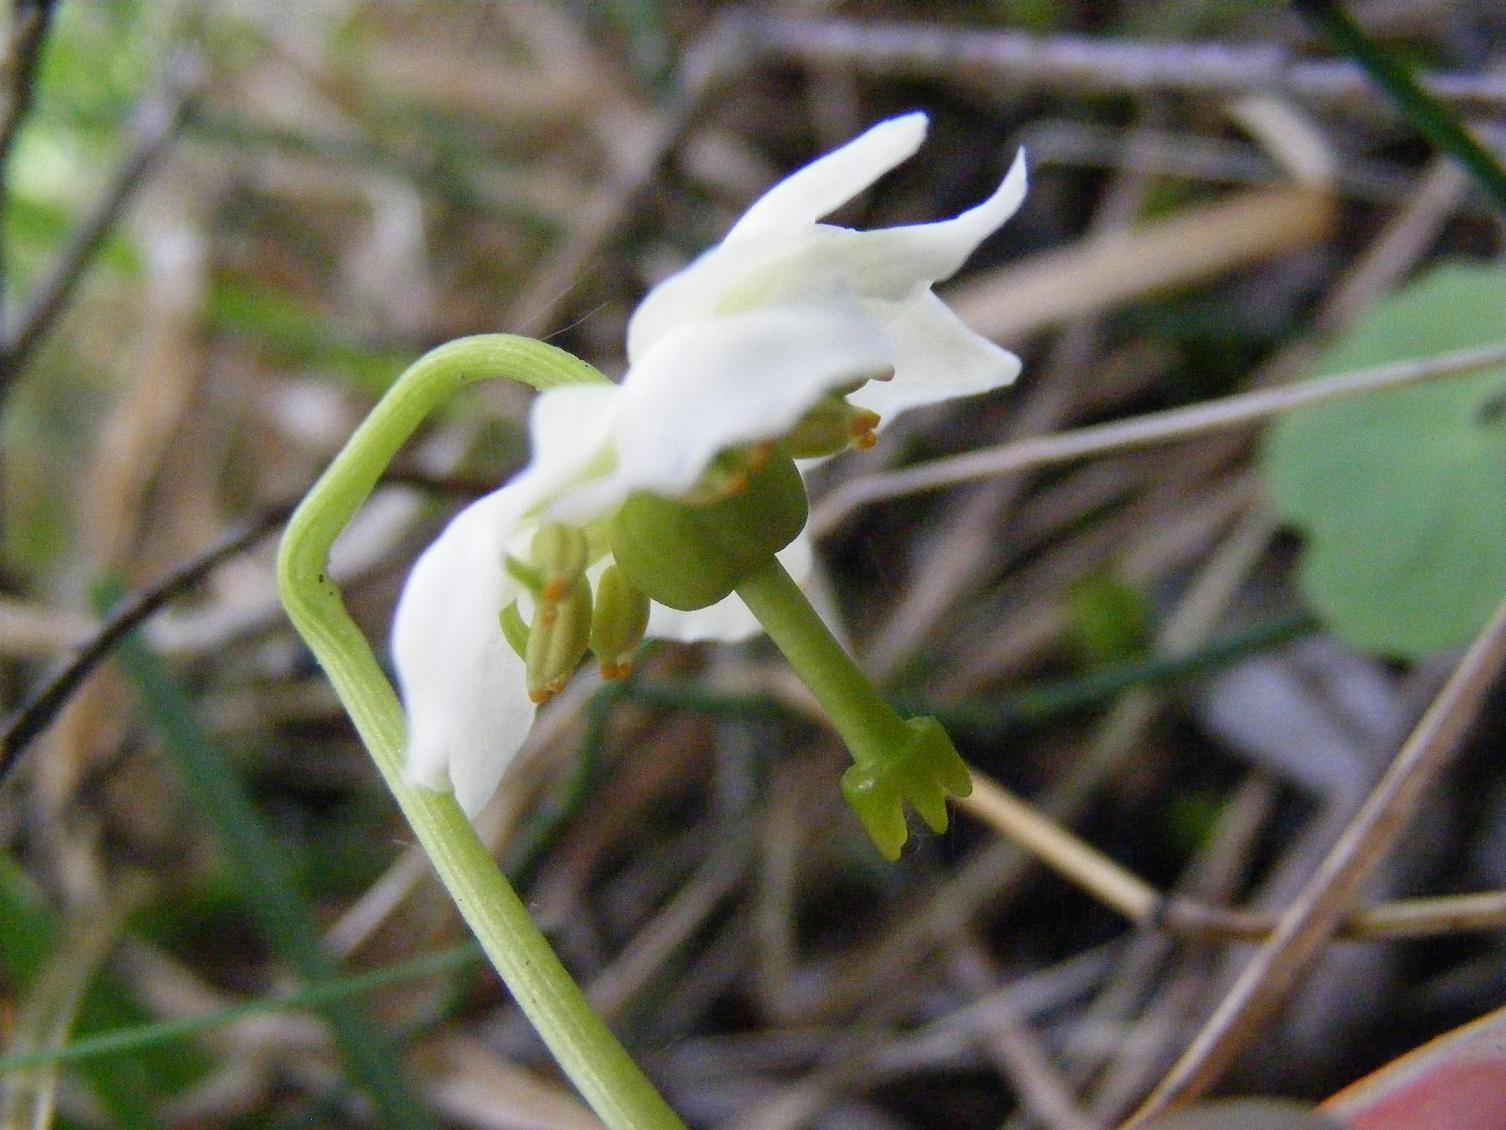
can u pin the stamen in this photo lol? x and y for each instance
(864, 429)
(557, 642)
(618, 623)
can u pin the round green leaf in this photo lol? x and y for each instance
(1402, 495)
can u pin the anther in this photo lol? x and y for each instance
(557, 642)
(831, 426)
(618, 623)
(560, 554)
(864, 429)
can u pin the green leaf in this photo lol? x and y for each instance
(1402, 495)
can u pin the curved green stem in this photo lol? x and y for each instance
(868, 725)
(587, 1051)
(895, 760)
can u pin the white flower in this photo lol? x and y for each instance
(734, 350)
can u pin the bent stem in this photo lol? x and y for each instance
(582, 1044)
(895, 760)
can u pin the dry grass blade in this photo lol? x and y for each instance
(1144, 431)
(1308, 925)
(1105, 271)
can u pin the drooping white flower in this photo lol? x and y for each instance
(734, 350)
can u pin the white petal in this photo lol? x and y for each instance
(463, 687)
(729, 618)
(771, 238)
(936, 357)
(570, 431)
(827, 183)
(945, 245)
(735, 380)
(890, 263)
(724, 279)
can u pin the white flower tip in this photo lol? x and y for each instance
(1005, 200)
(828, 182)
(906, 131)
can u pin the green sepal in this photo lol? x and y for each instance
(691, 556)
(923, 772)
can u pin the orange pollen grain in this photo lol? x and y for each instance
(540, 696)
(864, 441)
(555, 590)
(614, 672)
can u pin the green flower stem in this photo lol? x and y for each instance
(896, 761)
(587, 1051)
(868, 725)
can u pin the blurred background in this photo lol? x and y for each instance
(228, 226)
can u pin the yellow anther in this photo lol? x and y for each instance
(560, 555)
(618, 623)
(558, 640)
(864, 429)
(831, 426)
(729, 474)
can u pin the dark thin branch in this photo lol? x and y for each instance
(157, 124)
(30, 23)
(28, 34)
(47, 700)
(39, 709)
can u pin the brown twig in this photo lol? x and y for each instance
(1308, 925)
(39, 709)
(36, 713)
(1078, 65)
(1116, 886)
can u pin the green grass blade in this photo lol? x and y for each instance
(1433, 119)
(138, 1037)
(264, 875)
(127, 1090)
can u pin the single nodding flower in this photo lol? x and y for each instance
(790, 338)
